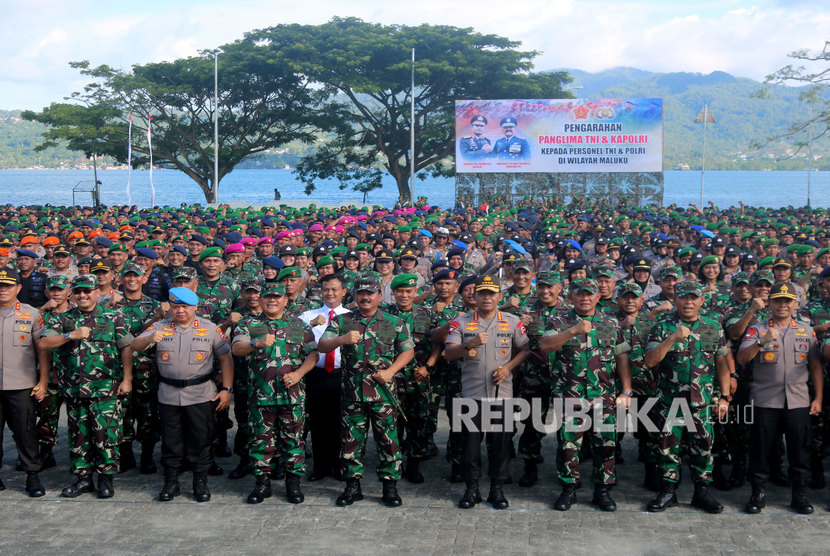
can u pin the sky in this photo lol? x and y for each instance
(747, 38)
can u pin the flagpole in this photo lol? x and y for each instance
(216, 124)
(412, 136)
(129, 160)
(150, 148)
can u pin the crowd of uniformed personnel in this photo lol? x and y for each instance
(306, 327)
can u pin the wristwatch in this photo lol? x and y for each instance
(628, 393)
(229, 389)
(727, 399)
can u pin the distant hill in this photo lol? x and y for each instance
(740, 119)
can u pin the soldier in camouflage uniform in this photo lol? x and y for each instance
(141, 406)
(536, 383)
(606, 282)
(522, 293)
(280, 350)
(93, 338)
(413, 382)
(57, 289)
(591, 351)
(687, 350)
(292, 278)
(374, 347)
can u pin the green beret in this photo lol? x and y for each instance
(210, 252)
(766, 261)
(289, 272)
(711, 259)
(404, 280)
(117, 247)
(323, 261)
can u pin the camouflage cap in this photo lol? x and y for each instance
(630, 287)
(405, 280)
(604, 272)
(584, 284)
(84, 281)
(59, 281)
(367, 284)
(688, 287)
(670, 271)
(273, 289)
(185, 273)
(250, 283)
(549, 277)
(740, 278)
(135, 268)
(761, 276)
(521, 264)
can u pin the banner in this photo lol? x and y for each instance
(567, 135)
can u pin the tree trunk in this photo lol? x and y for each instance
(403, 186)
(210, 195)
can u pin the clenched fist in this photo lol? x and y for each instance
(318, 320)
(266, 341)
(513, 301)
(770, 336)
(665, 307)
(478, 340)
(352, 337)
(681, 333)
(757, 304)
(583, 327)
(81, 333)
(158, 336)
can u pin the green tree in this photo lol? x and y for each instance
(365, 69)
(262, 104)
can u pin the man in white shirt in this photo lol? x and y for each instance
(323, 394)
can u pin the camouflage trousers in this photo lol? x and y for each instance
(670, 442)
(275, 430)
(603, 447)
(413, 426)
(48, 413)
(533, 388)
(141, 417)
(94, 435)
(354, 427)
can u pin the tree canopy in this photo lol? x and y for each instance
(365, 69)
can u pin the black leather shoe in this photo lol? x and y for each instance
(127, 457)
(148, 466)
(317, 476)
(171, 487)
(105, 488)
(82, 485)
(292, 489)
(757, 500)
(602, 499)
(800, 503)
(262, 490)
(390, 495)
(215, 470)
(719, 479)
(47, 458)
(351, 493)
(666, 499)
(33, 485)
(530, 476)
(496, 496)
(703, 499)
(200, 488)
(456, 476)
(566, 498)
(472, 496)
(413, 471)
(244, 468)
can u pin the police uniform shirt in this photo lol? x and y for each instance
(21, 324)
(187, 353)
(781, 367)
(33, 289)
(505, 334)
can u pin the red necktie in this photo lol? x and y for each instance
(329, 365)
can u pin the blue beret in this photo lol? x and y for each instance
(573, 244)
(444, 274)
(146, 252)
(267, 222)
(200, 239)
(183, 295)
(219, 243)
(233, 237)
(105, 241)
(180, 249)
(27, 253)
(273, 262)
(425, 233)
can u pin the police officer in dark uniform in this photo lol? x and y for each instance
(32, 282)
(476, 146)
(511, 147)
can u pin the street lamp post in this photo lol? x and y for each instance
(215, 125)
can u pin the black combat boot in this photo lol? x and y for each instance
(2, 485)
(220, 445)
(703, 499)
(816, 473)
(200, 488)
(456, 474)
(757, 500)
(652, 478)
(171, 487)
(390, 493)
(531, 474)
(81, 485)
(244, 468)
(413, 471)
(351, 493)
(719, 479)
(262, 490)
(215, 469)
(566, 498)
(148, 466)
(292, 489)
(738, 474)
(105, 488)
(472, 496)
(33, 485)
(127, 457)
(799, 501)
(496, 496)
(47, 458)
(602, 499)
(666, 499)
